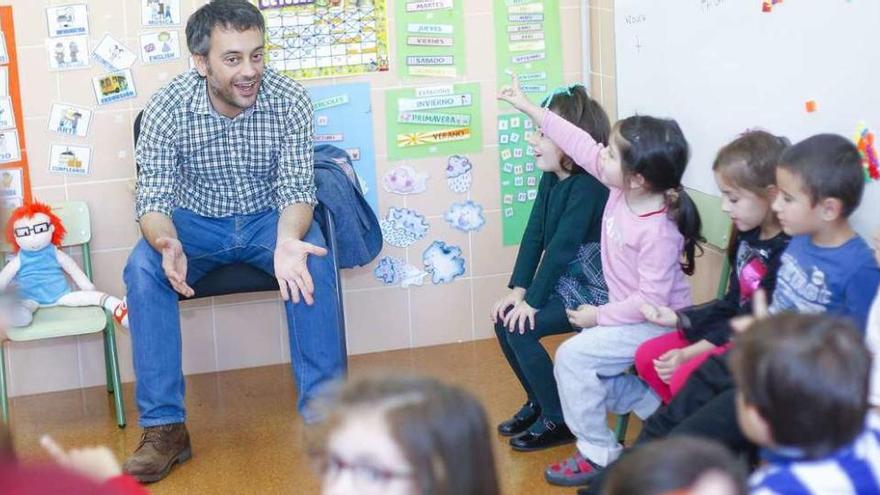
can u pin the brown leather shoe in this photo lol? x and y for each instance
(160, 449)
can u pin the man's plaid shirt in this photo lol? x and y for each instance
(192, 157)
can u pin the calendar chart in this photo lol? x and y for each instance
(326, 38)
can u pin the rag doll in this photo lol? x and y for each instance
(38, 274)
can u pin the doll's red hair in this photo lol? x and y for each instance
(28, 210)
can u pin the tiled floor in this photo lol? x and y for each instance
(246, 438)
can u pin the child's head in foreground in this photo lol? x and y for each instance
(820, 181)
(677, 465)
(802, 383)
(404, 435)
(745, 171)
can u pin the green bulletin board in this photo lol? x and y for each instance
(433, 121)
(519, 175)
(430, 38)
(527, 41)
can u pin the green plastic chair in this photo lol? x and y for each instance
(65, 322)
(717, 229)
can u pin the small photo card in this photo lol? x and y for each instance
(11, 185)
(69, 159)
(68, 53)
(113, 55)
(160, 12)
(113, 87)
(7, 116)
(9, 151)
(68, 20)
(10, 204)
(4, 55)
(160, 47)
(70, 120)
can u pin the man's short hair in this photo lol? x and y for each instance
(240, 15)
(829, 166)
(807, 376)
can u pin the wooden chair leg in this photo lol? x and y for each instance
(4, 399)
(113, 363)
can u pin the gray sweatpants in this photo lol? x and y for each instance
(590, 370)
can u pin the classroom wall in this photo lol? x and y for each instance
(249, 330)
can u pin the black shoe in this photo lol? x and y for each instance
(521, 421)
(549, 435)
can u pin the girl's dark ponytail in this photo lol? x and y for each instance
(683, 211)
(657, 150)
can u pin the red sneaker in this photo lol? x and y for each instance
(574, 471)
(120, 314)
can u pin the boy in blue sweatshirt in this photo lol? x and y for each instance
(827, 267)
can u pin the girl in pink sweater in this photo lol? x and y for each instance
(650, 234)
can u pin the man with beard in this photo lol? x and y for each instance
(226, 176)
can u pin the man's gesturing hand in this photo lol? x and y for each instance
(174, 264)
(292, 271)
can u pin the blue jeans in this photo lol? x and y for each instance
(154, 315)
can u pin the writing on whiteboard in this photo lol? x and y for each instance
(635, 19)
(708, 5)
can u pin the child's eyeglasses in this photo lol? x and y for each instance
(363, 476)
(37, 228)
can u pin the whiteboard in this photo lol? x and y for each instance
(720, 67)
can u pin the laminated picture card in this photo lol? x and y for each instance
(69, 159)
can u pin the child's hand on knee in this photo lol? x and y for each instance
(660, 315)
(585, 316)
(517, 318)
(512, 298)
